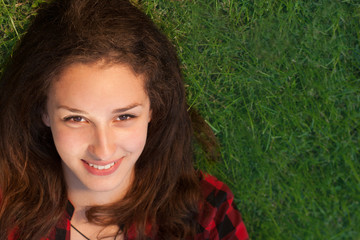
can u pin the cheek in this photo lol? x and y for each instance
(67, 142)
(136, 140)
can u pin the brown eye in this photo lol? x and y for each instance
(74, 119)
(125, 117)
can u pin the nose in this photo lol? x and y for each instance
(102, 146)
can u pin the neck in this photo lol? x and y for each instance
(81, 198)
(80, 221)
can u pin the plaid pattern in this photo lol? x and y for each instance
(219, 218)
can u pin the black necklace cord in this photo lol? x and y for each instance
(82, 233)
(79, 232)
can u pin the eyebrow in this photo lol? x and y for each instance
(127, 108)
(118, 110)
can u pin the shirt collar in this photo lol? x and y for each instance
(69, 209)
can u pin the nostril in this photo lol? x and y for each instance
(102, 152)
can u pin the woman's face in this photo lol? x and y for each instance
(98, 115)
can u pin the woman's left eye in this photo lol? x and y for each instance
(125, 117)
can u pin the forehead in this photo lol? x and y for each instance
(74, 72)
(82, 83)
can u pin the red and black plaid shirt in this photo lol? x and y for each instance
(219, 219)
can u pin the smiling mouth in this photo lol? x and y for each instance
(102, 167)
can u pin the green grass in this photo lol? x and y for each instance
(278, 81)
(14, 18)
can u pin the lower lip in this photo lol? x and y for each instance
(103, 172)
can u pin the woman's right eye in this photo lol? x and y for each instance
(74, 119)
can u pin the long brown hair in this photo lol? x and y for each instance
(165, 192)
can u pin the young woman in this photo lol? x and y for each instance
(96, 137)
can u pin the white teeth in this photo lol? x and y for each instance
(102, 167)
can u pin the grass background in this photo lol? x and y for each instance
(278, 82)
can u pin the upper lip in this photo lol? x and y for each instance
(101, 163)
